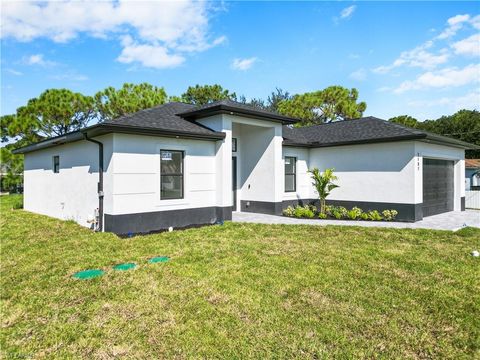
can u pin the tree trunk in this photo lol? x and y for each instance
(322, 206)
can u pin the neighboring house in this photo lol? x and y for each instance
(181, 165)
(472, 174)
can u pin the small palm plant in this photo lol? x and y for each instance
(323, 183)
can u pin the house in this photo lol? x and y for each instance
(472, 174)
(178, 165)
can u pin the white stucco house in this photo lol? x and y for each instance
(181, 165)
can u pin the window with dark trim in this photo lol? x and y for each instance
(290, 174)
(56, 164)
(171, 174)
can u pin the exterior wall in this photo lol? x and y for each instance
(381, 172)
(304, 188)
(136, 174)
(376, 176)
(223, 158)
(70, 194)
(434, 151)
(259, 164)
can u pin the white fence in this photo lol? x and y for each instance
(472, 199)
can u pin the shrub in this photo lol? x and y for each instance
(389, 215)
(17, 204)
(364, 216)
(322, 216)
(289, 211)
(374, 215)
(303, 212)
(354, 213)
(329, 210)
(340, 212)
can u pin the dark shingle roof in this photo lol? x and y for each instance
(178, 119)
(162, 117)
(229, 106)
(356, 131)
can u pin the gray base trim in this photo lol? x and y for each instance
(462, 203)
(262, 207)
(161, 220)
(406, 212)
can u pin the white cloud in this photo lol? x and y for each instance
(243, 64)
(468, 46)
(384, 89)
(417, 57)
(37, 59)
(347, 12)
(154, 56)
(358, 75)
(470, 100)
(14, 72)
(448, 77)
(70, 76)
(455, 23)
(169, 28)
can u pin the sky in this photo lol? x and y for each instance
(414, 58)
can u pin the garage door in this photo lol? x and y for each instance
(437, 186)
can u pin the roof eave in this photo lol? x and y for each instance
(231, 110)
(443, 140)
(103, 129)
(369, 141)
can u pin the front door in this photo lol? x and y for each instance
(234, 183)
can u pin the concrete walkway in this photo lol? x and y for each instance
(453, 220)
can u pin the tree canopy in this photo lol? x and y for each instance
(112, 103)
(205, 94)
(463, 125)
(330, 104)
(55, 112)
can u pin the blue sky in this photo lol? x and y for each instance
(415, 58)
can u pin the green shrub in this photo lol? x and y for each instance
(17, 203)
(289, 211)
(374, 215)
(303, 212)
(340, 212)
(389, 215)
(322, 216)
(364, 216)
(329, 210)
(354, 213)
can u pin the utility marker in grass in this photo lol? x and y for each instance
(88, 274)
(125, 266)
(158, 259)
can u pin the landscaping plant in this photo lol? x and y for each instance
(324, 184)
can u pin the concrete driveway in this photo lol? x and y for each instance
(454, 220)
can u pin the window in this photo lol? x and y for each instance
(290, 174)
(171, 174)
(234, 144)
(56, 164)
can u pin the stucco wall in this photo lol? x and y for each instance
(370, 172)
(304, 189)
(136, 174)
(70, 194)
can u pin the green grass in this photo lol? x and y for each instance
(238, 291)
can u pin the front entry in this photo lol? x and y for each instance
(234, 183)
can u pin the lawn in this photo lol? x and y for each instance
(238, 291)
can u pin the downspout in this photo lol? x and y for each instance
(100, 181)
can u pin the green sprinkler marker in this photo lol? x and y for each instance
(124, 267)
(88, 274)
(159, 259)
